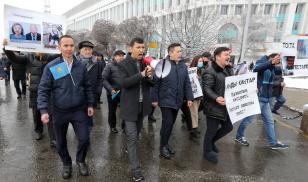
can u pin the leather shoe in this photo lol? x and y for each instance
(67, 171)
(53, 143)
(211, 156)
(114, 130)
(164, 152)
(83, 168)
(38, 136)
(170, 149)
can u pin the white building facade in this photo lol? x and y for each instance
(290, 17)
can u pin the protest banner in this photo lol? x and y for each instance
(195, 84)
(241, 96)
(295, 55)
(31, 31)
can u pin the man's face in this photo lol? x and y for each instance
(119, 58)
(67, 47)
(276, 59)
(137, 51)
(86, 52)
(223, 58)
(206, 59)
(33, 29)
(176, 53)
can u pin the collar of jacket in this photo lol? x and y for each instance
(173, 62)
(75, 59)
(217, 67)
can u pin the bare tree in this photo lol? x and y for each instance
(133, 27)
(194, 29)
(104, 34)
(80, 35)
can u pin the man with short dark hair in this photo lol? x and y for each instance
(135, 80)
(169, 94)
(265, 67)
(213, 83)
(66, 79)
(111, 83)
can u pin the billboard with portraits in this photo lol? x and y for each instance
(31, 31)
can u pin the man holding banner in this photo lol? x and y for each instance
(213, 83)
(265, 67)
(66, 79)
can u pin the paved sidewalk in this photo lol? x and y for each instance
(296, 98)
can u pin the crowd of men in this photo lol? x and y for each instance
(66, 88)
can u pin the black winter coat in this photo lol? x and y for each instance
(213, 84)
(19, 66)
(170, 91)
(35, 66)
(130, 79)
(111, 77)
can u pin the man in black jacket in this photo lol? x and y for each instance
(111, 83)
(6, 68)
(213, 83)
(36, 63)
(136, 80)
(19, 75)
(169, 94)
(94, 69)
(66, 79)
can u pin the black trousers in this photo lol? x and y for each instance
(79, 121)
(38, 124)
(168, 119)
(17, 86)
(112, 109)
(213, 133)
(133, 129)
(8, 77)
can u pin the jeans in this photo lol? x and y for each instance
(268, 123)
(280, 100)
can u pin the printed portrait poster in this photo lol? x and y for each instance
(31, 31)
(241, 96)
(295, 56)
(195, 84)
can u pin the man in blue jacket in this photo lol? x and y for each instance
(66, 80)
(169, 93)
(265, 67)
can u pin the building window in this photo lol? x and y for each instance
(295, 26)
(254, 9)
(188, 14)
(283, 9)
(238, 9)
(199, 12)
(170, 3)
(228, 33)
(299, 8)
(171, 17)
(180, 16)
(268, 9)
(279, 26)
(155, 5)
(224, 9)
(187, 1)
(179, 2)
(162, 4)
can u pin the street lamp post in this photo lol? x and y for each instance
(245, 33)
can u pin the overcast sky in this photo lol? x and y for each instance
(58, 7)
